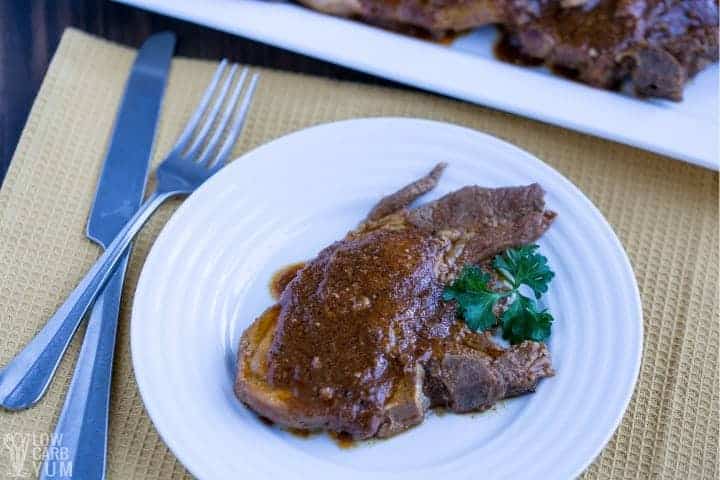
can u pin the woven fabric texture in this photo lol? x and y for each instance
(664, 211)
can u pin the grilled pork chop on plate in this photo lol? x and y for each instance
(361, 342)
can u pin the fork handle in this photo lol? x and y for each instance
(83, 422)
(24, 380)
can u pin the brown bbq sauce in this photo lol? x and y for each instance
(343, 440)
(282, 277)
(355, 323)
(299, 432)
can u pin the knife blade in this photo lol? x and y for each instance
(122, 181)
(82, 424)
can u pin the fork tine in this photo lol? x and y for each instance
(237, 124)
(201, 136)
(224, 119)
(186, 135)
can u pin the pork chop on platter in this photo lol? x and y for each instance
(649, 47)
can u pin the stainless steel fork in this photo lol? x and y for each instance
(201, 150)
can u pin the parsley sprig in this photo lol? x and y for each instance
(522, 319)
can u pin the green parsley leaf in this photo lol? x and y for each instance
(471, 279)
(523, 319)
(524, 266)
(474, 298)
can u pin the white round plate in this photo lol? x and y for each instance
(206, 279)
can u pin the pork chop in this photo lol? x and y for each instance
(361, 342)
(655, 46)
(651, 46)
(438, 17)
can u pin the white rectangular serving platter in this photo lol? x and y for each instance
(467, 70)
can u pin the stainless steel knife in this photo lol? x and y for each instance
(81, 430)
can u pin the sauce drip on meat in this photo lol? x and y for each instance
(282, 277)
(343, 440)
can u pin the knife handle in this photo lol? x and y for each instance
(24, 380)
(81, 430)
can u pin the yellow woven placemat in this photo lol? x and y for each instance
(664, 211)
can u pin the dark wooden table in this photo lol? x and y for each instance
(31, 29)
